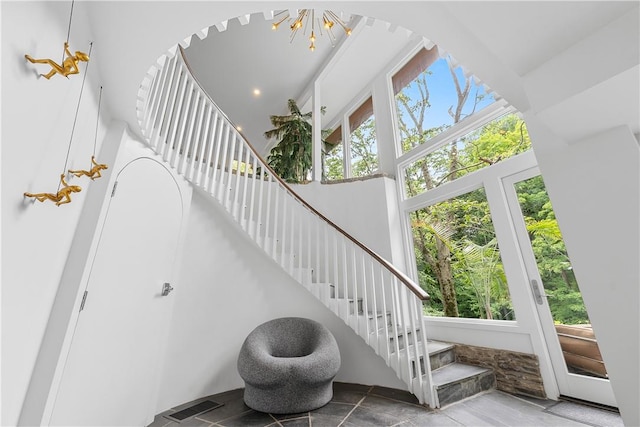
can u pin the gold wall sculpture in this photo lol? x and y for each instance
(69, 65)
(61, 197)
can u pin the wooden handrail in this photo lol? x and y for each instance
(403, 278)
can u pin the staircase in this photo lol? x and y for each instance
(382, 305)
(452, 381)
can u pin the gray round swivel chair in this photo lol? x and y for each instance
(288, 366)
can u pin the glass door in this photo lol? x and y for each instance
(575, 356)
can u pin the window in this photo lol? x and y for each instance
(431, 95)
(497, 140)
(362, 143)
(333, 156)
(458, 259)
(361, 146)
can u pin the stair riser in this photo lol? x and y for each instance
(442, 358)
(454, 392)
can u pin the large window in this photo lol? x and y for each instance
(361, 146)
(484, 146)
(446, 133)
(432, 94)
(458, 259)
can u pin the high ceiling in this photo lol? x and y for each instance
(247, 55)
(233, 63)
(505, 44)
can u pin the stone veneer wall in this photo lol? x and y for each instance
(516, 373)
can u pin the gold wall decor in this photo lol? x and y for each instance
(92, 173)
(69, 65)
(61, 197)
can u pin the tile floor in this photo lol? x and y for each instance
(359, 405)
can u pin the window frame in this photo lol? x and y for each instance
(344, 123)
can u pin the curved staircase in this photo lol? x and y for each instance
(381, 304)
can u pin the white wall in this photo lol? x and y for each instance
(366, 209)
(37, 119)
(227, 287)
(594, 185)
(590, 162)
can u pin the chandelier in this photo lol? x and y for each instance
(307, 18)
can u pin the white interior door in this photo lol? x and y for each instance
(110, 376)
(575, 372)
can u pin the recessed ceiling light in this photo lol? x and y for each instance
(256, 92)
(239, 128)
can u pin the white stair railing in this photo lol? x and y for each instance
(183, 125)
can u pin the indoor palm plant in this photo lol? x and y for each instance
(291, 157)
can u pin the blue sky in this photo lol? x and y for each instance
(442, 94)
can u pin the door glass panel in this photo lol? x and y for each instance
(572, 325)
(458, 259)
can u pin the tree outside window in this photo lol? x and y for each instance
(362, 146)
(457, 255)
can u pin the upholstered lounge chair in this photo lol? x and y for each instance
(288, 366)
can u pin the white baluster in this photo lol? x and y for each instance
(414, 337)
(189, 161)
(226, 171)
(186, 115)
(153, 100)
(219, 166)
(352, 266)
(165, 118)
(172, 77)
(344, 282)
(194, 123)
(301, 217)
(259, 228)
(214, 143)
(253, 227)
(165, 150)
(207, 140)
(389, 286)
(274, 235)
(285, 229)
(404, 364)
(365, 302)
(327, 259)
(235, 208)
(376, 310)
(267, 223)
(428, 380)
(245, 177)
(383, 342)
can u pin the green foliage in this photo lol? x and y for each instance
(464, 225)
(333, 166)
(551, 255)
(455, 238)
(291, 158)
(364, 156)
(363, 153)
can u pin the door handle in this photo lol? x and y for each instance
(535, 287)
(166, 288)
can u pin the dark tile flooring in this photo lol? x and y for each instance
(359, 405)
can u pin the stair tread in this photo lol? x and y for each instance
(436, 347)
(454, 372)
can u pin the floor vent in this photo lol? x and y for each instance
(194, 410)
